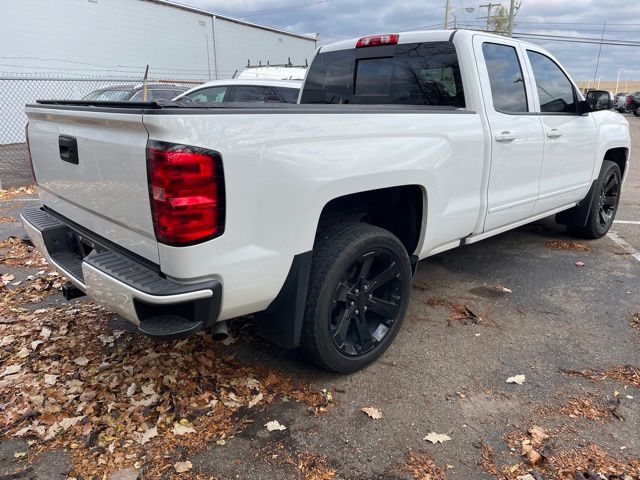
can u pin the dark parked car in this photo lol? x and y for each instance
(135, 93)
(632, 103)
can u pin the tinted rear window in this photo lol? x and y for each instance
(410, 74)
(289, 95)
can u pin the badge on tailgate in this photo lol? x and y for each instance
(68, 149)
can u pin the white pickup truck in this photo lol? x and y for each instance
(313, 216)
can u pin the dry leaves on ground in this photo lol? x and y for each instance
(372, 412)
(11, 193)
(434, 437)
(564, 245)
(462, 313)
(421, 467)
(626, 374)
(634, 321)
(65, 376)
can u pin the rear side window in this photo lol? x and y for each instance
(555, 91)
(289, 95)
(505, 77)
(409, 74)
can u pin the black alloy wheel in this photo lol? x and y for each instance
(366, 302)
(608, 201)
(358, 294)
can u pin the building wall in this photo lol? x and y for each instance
(120, 37)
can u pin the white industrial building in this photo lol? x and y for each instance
(112, 38)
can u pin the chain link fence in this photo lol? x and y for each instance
(18, 90)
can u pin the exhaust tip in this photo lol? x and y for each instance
(220, 331)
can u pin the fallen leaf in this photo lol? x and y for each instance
(580, 264)
(82, 361)
(182, 467)
(538, 436)
(23, 353)
(517, 379)
(507, 290)
(373, 412)
(131, 390)
(434, 437)
(148, 435)
(50, 379)
(274, 425)
(255, 400)
(19, 454)
(10, 370)
(182, 429)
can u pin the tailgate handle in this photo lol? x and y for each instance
(68, 149)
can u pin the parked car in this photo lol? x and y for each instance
(632, 103)
(626, 102)
(619, 102)
(135, 93)
(314, 216)
(254, 91)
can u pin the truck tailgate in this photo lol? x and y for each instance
(103, 188)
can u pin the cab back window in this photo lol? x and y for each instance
(409, 74)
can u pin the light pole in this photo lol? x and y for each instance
(448, 10)
(618, 81)
(600, 77)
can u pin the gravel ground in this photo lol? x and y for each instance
(448, 375)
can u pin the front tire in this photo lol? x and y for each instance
(358, 296)
(604, 203)
(636, 112)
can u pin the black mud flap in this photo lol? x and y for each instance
(578, 215)
(281, 322)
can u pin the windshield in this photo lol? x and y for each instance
(410, 74)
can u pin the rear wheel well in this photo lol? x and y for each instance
(396, 209)
(619, 156)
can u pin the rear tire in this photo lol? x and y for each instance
(604, 203)
(636, 112)
(358, 295)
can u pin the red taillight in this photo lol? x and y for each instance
(186, 188)
(375, 40)
(26, 136)
(628, 100)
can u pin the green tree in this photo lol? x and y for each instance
(499, 21)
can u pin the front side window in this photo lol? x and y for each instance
(505, 77)
(555, 91)
(412, 74)
(206, 95)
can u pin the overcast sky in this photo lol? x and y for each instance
(337, 19)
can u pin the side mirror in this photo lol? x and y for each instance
(600, 100)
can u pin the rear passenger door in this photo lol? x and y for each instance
(516, 136)
(569, 138)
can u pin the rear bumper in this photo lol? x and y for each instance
(137, 292)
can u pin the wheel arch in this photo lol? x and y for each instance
(400, 209)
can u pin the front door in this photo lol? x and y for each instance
(570, 139)
(516, 133)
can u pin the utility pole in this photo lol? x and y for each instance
(489, 6)
(447, 7)
(512, 14)
(620, 70)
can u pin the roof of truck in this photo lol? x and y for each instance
(415, 37)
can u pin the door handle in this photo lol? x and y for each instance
(554, 133)
(505, 137)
